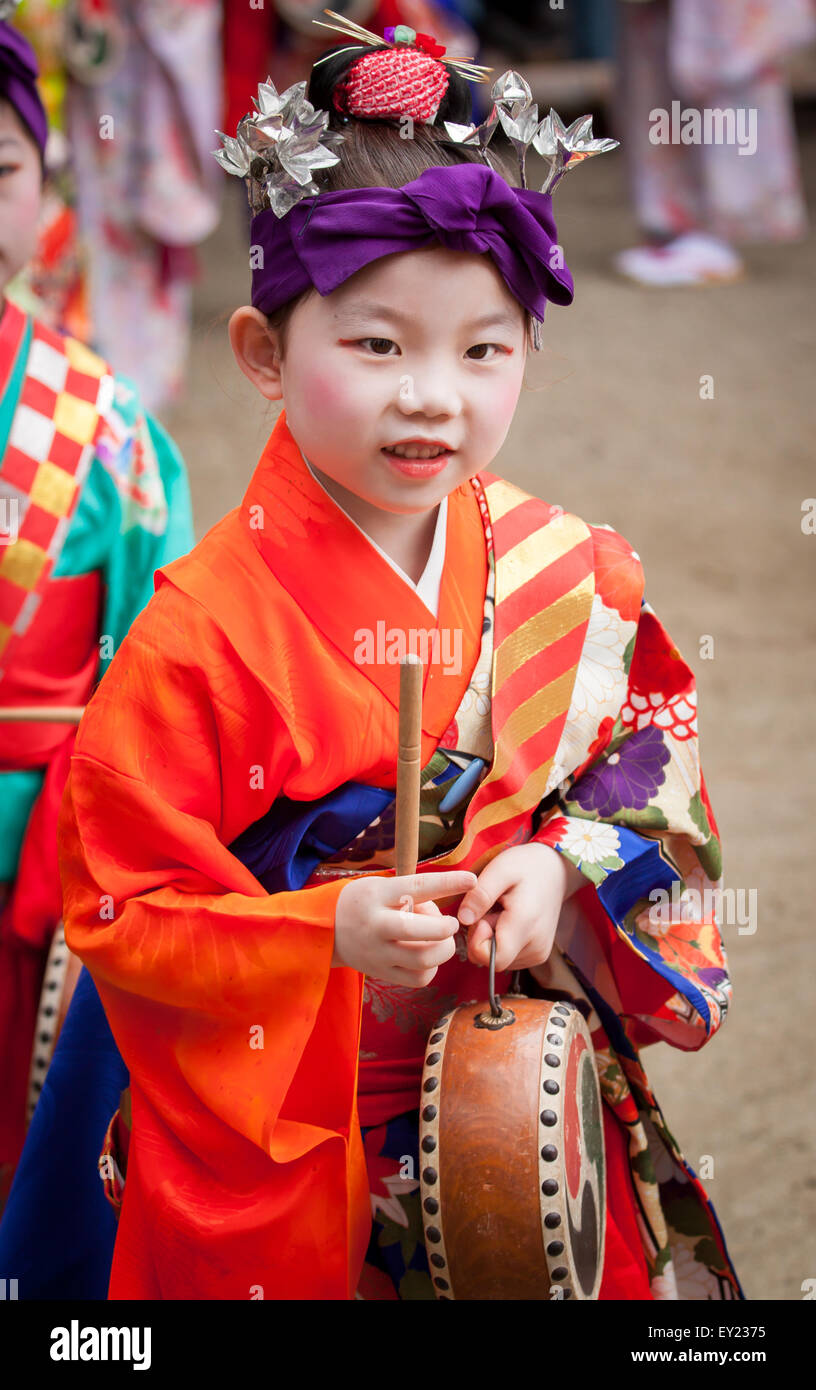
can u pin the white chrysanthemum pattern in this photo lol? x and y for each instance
(590, 842)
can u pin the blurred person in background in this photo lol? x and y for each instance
(130, 88)
(696, 199)
(93, 499)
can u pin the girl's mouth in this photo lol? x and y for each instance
(417, 460)
(418, 449)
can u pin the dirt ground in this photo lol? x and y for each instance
(710, 493)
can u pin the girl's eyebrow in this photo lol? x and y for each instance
(501, 317)
(367, 309)
(9, 140)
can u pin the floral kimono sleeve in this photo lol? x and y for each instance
(631, 811)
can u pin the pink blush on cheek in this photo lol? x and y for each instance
(505, 400)
(319, 390)
(325, 396)
(341, 405)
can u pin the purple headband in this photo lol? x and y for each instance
(323, 240)
(18, 82)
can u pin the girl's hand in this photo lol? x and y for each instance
(391, 929)
(520, 894)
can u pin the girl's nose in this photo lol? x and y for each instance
(430, 393)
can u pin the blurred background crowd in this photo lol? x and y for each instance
(135, 90)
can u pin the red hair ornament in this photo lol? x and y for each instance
(406, 78)
(393, 82)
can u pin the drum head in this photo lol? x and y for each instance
(584, 1163)
(512, 1168)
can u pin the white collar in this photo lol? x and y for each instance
(428, 585)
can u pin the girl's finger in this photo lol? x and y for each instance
(416, 926)
(479, 938)
(495, 879)
(511, 938)
(422, 888)
(422, 955)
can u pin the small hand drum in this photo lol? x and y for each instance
(512, 1170)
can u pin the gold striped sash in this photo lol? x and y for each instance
(545, 584)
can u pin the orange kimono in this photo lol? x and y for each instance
(256, 674)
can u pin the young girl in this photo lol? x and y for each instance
(228, 833)
(94, 497)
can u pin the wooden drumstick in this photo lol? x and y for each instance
(42, 714)
(409, 764)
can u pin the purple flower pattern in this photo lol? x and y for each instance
(629, 777)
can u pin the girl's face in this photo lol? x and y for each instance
(20, 194)
(419, 353)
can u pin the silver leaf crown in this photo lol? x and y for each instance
(514, 109)
(277, 148)
(7, 8)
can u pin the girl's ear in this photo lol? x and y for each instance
(256, 348)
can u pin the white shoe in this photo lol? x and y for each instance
(692, 259)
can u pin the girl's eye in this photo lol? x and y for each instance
(8, 169)
(380, 346)
(484, 352)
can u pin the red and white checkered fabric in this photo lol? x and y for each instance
(65, 396)
(393, 82)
